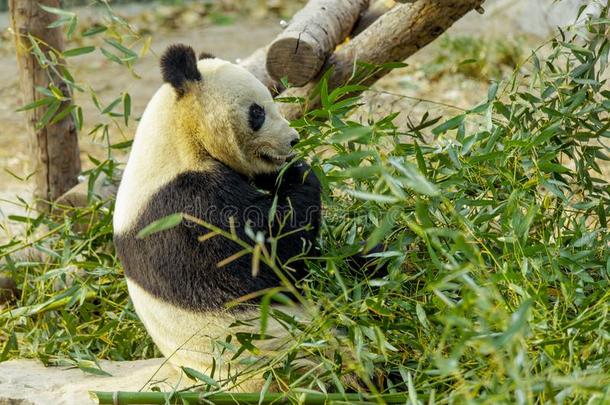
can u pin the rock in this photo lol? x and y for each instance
(71, 274)
(77, 196)
(104, 189)
(29, 382)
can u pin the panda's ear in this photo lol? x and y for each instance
(179, 66)
(205, 55)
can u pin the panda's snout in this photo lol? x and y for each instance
(294, 137)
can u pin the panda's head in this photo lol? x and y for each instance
(225, 112)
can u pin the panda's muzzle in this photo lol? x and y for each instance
(274, 159)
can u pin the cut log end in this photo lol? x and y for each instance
(294, 59)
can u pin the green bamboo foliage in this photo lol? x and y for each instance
(495, 226)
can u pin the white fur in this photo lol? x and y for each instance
(216, 118)
(141, 179)
(225, 94)
(189, 338)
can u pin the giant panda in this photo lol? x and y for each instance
(209, 144)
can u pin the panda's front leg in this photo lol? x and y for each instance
(298, 193)
(297, 178)
(296, 221)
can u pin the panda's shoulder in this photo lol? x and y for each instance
(213, 185)
(215, 178)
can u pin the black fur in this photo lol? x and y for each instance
(179, 66)
(205, 55)
(174, 266)
(256, 117)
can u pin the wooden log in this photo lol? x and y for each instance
(300, 51)
(371, 14)
(257, 65)
(395, 36)
(55, 146)
(375, 10)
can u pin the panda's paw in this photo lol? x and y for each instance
(266, 181)
(300, 174)
(296, 173)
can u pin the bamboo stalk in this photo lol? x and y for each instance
(181, 398)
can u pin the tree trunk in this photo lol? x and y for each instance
(393, 37)
(55, 146)
(299, 52)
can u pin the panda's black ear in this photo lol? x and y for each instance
(205, 55)
(179, 66)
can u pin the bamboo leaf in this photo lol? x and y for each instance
(50, 113)
(38, 103)
(62, 114)
(414, 179)
(126, 107)
(57, 11)
(448, 125)
(163, 224)
(128, 52)
(198, 376)
(94, 31)
(78, 51)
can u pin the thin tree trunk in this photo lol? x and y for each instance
(55, 146)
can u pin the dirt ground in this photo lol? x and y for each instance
(229, 41)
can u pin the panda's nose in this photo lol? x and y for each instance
(294, 141)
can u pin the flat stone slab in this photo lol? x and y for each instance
(29, 382)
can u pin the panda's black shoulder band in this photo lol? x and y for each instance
(179, 66)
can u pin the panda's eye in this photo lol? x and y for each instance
(256, 117)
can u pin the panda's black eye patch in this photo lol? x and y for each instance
(256, 117)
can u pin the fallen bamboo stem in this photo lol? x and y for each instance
(182, 398)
